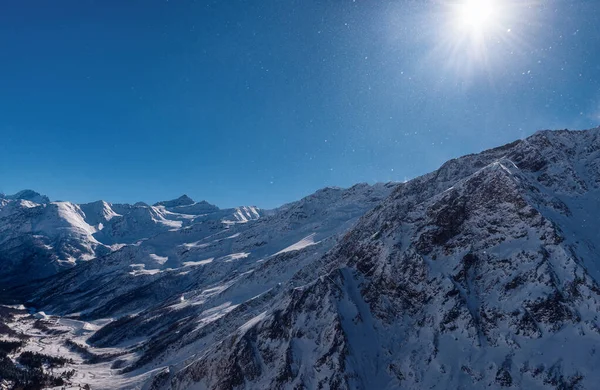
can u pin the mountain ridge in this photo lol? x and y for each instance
(373, 267)
(482, 273)
(41, 237)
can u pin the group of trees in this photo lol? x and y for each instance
(10, 346)
(31, 375)
(29, 370)
(38, 360)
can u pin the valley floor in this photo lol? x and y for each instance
(95, 368)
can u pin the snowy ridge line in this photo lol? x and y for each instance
(165, 283)
(65, 234)
(445, 264)
(471, 276)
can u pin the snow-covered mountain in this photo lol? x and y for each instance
(194, 276)
(206, 254)
(29, 195)
(39, 238)
(482, 274)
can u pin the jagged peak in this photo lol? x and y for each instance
(183, 200)
(29, 195)
(564, 133)
(98, 203)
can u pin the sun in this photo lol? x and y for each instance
(476, 16)
(478, 37)
(476, 13)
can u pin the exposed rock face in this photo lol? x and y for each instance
(481, 274)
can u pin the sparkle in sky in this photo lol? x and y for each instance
(263, 102)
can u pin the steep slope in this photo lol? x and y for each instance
(158, 301)
(98, 213)
(38, 240)
(481, 274)
(199, 255)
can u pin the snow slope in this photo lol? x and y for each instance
(175, 261)
(481, 274)
(199, 276)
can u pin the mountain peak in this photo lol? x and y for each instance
(29, 195)
(183, 200)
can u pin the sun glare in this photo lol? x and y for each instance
(476, 14)
(479, 34)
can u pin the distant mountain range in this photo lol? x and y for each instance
(39, 238)
(481, 274)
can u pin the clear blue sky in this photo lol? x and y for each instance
(263, 102)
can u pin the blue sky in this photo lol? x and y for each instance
(263, 102)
